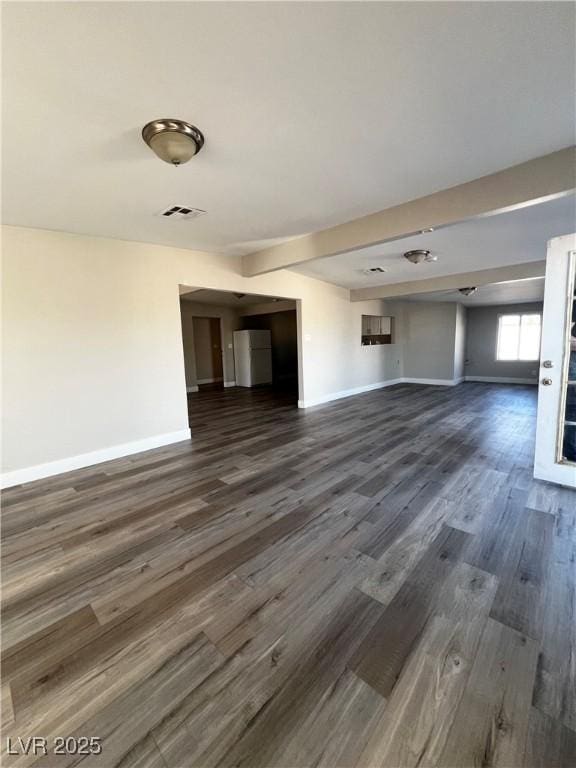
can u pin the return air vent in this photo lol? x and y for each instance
(182, 212)
(373, 270)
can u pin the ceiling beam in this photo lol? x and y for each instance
(536, 181)
(451, 282)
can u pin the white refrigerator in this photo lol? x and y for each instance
(252, 358)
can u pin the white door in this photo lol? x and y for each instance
(555, 459)
(242, 358)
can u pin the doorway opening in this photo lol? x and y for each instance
(240, 351)
(282, 327)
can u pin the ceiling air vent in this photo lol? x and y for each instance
(182, 212)
(373, 270)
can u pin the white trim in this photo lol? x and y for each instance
(347, 393)
(434, 382)
(28, 474)
(209, 381)
(378, 385)
(391, 382)
(501, 380)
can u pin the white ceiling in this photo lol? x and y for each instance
(511, 292)
(494, 241)
(223, 298)
(314, 113)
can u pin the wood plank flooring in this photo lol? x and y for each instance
(375, 583)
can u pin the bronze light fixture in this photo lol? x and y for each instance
(420, 255)
(174, 141)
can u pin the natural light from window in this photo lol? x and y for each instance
(518, 337)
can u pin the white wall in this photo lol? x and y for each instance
(93, 363)
(341, 363)
(481, 339)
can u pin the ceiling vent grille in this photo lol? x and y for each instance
(373, 270)
(182, 212)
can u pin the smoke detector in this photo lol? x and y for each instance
(182, 212)
(373, 270)
(418, 256)
(468, 291)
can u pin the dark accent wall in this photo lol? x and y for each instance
(283, 330)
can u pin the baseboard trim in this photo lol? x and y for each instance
(29, 474)
(40, 471)
(192, 389)
(434, 382)
(209, 381)
(407, 380)
(379, 385)
(501, 380)
(347, 393)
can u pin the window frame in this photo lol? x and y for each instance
(521, 315)
(377, 338)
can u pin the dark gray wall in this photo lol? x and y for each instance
(481, 337)
(430, 331)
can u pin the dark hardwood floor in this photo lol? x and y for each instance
(375, 582)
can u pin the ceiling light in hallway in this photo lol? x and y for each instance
(420, 255)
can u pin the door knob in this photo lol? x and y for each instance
(547, 364)
(546, 382)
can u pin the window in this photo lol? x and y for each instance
(518, 337)
(376, 330)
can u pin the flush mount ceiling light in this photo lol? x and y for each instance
(174, 141)
(468, 291)
(417, 257)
